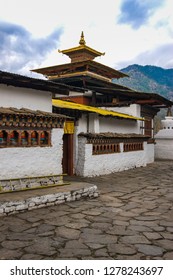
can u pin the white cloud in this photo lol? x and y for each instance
(19, 50)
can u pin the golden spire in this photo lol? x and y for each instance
(82, 40)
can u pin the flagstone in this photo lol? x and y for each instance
(152, 235)
(101, 253)
(13, 245)
(168, 256)
(138, 228)
(134, 239)
(31, 257)
(98, 238)
(6, 254)
(150, 250)
(67, 232)
(94, 246)
(102, 226)
(167, 235)
(170, 229)
(121, 249)
(73, 253)
(165, 243)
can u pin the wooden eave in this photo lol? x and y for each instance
(28, 112)
(81, 80)
(109, 135)
(148, 101)
(81, 66)
(81, 48)
(149, 111)
(11, 79)
(138, 97)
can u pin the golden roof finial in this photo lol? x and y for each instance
(82, 40)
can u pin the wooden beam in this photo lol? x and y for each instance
(148, 101)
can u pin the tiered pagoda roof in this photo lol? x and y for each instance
(82, 65)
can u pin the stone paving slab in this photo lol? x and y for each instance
(131, 219)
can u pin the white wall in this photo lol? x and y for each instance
(122, 125)
(150, 152)
(119, 125)
(101, 124)
(25, 98)
(164, 149)
(133, 110)
(81, 126)
(94, 165)
(36, 161)
(94, 123)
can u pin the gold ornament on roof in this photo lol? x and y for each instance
(82, 40)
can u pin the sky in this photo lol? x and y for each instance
(128, 31)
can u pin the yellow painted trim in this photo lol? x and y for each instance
(79, 48)
(85, 73)
(36, 188)
(76, 106)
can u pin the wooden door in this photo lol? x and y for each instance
(68, 154)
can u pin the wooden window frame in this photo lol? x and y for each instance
(18, 137)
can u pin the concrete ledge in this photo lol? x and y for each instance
(11, 203)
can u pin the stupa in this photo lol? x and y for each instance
(164, 138)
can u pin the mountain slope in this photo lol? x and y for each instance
(148, 79)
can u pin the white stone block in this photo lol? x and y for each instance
(51, 199)
(78, 196)
(31, 204)
(10, 209)
(32, 207)
(60, 197)
(21, 207)
(59, 201)
(1, 210)
(95, 195)
(41, 205)
(50, 203)
(35, 200)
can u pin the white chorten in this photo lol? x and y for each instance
(164, 138)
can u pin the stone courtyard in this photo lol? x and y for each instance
(131, 219)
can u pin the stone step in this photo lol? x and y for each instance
(14, 202)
